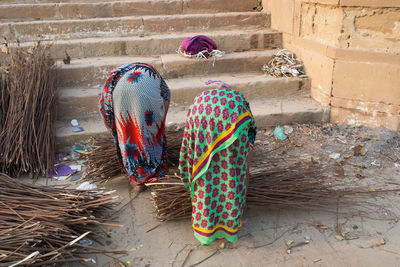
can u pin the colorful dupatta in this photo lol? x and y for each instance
(215, 145)
(132, 106)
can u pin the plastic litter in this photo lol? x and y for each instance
(75, 177)
(287, 129)
(74, 123)
(61, 178)
(86, 186)
(59, 157)
(375, 163)
(86, 242)
(74, 155)
(62, 170)
(334, 156)
(278, 132)
(80, 150)
(78, 129)
(76, 167)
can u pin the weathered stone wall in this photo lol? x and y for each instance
(376, 29)
(351, 50)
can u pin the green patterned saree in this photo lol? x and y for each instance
(215, 145)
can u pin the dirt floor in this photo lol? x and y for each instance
(356, 156)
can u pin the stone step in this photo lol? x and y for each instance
(93, 71)
(227, 41)
(267, 112)
(131, 26)
(77, 102)
(53, 10)
(7, 2)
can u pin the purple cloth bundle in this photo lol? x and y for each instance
(196, 44)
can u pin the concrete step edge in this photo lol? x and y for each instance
(74, 102)
(267, 113)
(185, 83)
(62, 10)
(227, 40)
(95, 70)
(130, 26)
(11, 2)
(254, 29)
(78, 102)
(141, 17)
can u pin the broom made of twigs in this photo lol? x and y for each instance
(27, 102)
(41, 226)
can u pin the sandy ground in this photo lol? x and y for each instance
(262, 242)
(372, 239)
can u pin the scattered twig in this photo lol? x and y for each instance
(277, 238)
(392, 252)
(176, 255)
(299, 244)
(186, 257)
(30, 256)
(153, 228)
(206, 258)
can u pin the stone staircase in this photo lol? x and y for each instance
(100, 36)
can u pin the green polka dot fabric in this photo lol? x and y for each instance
(213, 162)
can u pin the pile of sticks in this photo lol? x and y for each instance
(171, 199)
(42, 226)
(282, 186)
(27, 102)
(284, 64)
(281, 181)
(102, 163)
(287, 186)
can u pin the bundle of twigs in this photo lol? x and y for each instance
(42, 226)
(284, 64)
(27, 101)
(102, 163)
(171, 199)
(294, 185)
(285, 186)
